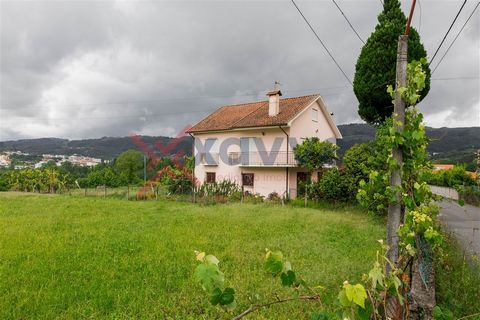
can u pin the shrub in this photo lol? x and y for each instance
(274, 197)
(249, 197)
(334, 185)
(357, 162)
(457, 176)
(469, 194)
(224, 188)
(373, 193)
(4, 183)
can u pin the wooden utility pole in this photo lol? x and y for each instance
(395, 216)
(395, 210)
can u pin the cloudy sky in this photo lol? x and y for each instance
(77, 69)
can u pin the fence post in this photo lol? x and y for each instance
(105, 191)
(85, 191)
(128, 192)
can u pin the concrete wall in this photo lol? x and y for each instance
(448, 193)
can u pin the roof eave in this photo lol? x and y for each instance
(273, 126)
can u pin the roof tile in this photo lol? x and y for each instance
(254, 114)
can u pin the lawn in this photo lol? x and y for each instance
(92, 258)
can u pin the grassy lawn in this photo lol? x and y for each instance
(74, 257)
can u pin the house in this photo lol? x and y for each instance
(253, 143)
(439, 167)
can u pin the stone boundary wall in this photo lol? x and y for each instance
(446, 192)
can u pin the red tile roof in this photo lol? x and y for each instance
(254, 114)
(442, 166)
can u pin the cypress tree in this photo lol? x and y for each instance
(375, 68)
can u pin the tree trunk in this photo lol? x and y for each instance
(395, 209)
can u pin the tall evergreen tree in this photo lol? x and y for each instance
(375, 67)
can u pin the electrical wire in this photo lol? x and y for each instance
(419, 16)
(321, 42)
(348, 21)
(129, 102)
(448, 31)
(459, 32)
(146, 116)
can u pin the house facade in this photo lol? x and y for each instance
(252, 144)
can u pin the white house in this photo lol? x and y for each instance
(252, 143)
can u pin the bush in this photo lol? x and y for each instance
(4, 183)
(249, 197)
(334, 185)
(225, 188)
(274, 197)
(177, 183)
(470, 194)
(457, 176)
(374, 192)
(357, 162)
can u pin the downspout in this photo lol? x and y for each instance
(286, 169)
(193, 168)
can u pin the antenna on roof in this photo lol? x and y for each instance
(276, 84)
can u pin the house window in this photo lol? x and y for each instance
(247, 179)
(210, 177)
(314, 115)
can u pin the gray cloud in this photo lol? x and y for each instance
(90, 69)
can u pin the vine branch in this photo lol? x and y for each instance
(259, 306)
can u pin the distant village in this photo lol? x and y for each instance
(34, 161)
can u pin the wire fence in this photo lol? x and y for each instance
(128, 193)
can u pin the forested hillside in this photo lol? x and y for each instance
(447, 145)
(103, 148)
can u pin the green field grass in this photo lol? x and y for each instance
(92, 258)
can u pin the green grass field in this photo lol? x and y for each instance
(91, 258)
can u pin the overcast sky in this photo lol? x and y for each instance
(75, 69)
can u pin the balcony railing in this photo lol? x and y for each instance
(263, 159)
(209, 158)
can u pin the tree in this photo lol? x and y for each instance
(375, 68)
(313, 153)
(129, 163)
(356, 161)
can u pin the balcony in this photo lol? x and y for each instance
(262, 159)
(209, 158)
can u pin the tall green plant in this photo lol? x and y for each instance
(313, 153)
(129, 164)
(375, 68)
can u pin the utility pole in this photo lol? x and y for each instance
(395, 210)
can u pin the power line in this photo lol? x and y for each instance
(420, 16)
(448, 31)
(128, 102)
(150, 115)
(453, 78)
(451, 44)
(348, 21)
(321, 42)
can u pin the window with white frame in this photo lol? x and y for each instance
(314, 114)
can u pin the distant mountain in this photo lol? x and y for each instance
(448, 144)
(104, 148)
(443, 139)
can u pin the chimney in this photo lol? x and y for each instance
(274, 102)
